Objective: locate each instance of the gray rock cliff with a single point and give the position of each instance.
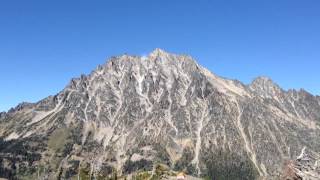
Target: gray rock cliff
(133, 113)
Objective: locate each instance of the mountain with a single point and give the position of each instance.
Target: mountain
(138, 117)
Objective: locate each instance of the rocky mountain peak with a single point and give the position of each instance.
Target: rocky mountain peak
(2, 114)
(134, 114)
(265, 87)
(20, 106)
(264, 81)
(163, 57)
(158, 52)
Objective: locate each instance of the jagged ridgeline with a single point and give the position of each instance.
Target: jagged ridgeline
(152, 117)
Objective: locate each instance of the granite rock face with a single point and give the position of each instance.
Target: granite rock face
(305, 166)
(134, 112)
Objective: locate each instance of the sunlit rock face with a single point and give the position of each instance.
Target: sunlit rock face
(134, 113)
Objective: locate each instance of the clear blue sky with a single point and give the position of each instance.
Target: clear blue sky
(43, 44)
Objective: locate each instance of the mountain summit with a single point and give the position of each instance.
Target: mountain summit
(135, 115)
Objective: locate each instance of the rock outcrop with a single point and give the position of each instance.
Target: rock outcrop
(134, 113)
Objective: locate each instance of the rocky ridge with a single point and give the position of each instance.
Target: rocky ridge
(135, 113)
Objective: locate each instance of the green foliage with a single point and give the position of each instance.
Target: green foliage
(183, 164)
(84, 174)
(225, 165)
(58, 139)
(73, 169)
(142, 176)
(20, 156)
(161, 172)
(142, 164)
(162, 155)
